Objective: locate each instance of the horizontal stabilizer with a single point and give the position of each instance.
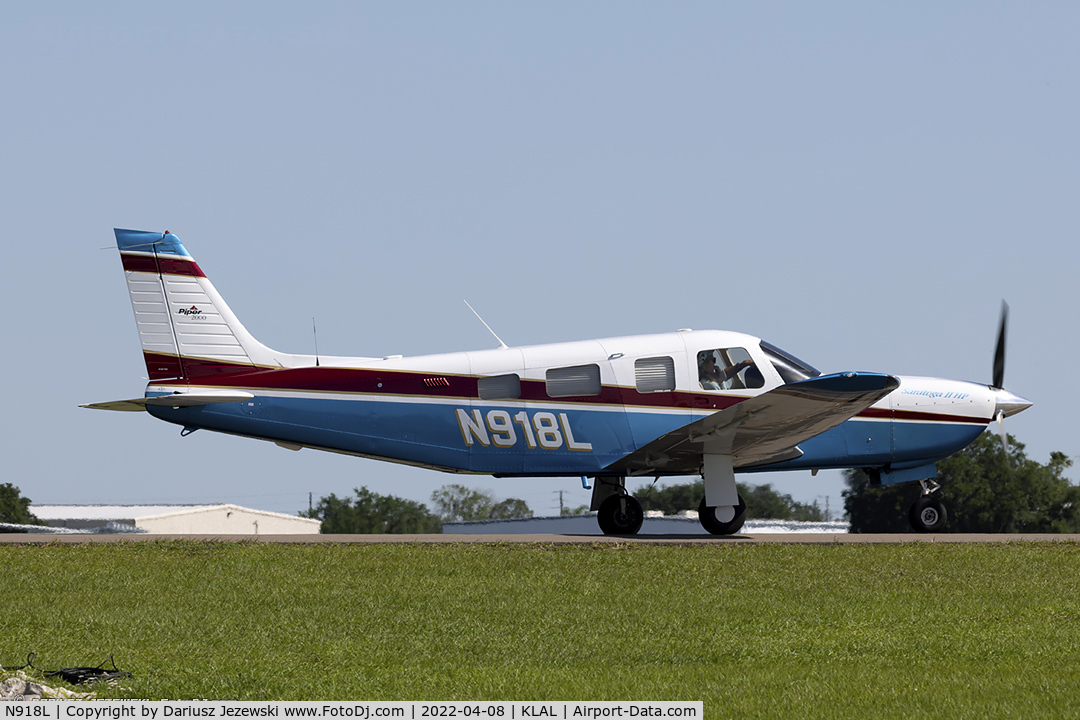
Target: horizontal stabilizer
(133, 405)
(192, 399)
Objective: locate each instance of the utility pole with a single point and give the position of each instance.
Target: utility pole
(828, 513)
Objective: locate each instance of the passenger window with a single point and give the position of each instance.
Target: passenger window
(728, 369)
(499, 387)
(573, 381)
(654, 374)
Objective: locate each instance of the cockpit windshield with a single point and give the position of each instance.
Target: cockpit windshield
(791, 368)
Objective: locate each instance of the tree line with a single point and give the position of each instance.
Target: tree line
(368, 512)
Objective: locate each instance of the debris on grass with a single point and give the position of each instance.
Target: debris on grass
(17, 685)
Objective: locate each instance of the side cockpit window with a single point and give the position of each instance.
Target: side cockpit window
(728, 369)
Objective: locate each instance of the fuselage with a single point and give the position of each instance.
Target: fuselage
(566, 409)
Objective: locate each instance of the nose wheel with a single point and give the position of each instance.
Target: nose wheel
(928, 513)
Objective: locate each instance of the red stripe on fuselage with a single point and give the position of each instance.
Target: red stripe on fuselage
(368, 381)
(411, 384)
(161, 264)
(168, 367)
(935, 417)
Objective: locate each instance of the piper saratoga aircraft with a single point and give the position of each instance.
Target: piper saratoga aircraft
(709, 403)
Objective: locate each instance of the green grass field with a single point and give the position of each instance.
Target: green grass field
(817, 631)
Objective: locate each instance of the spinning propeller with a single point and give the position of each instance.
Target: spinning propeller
(999, 353)
(1007, 403)
(999, 373)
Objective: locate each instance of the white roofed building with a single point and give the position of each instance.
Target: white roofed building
(175, 519)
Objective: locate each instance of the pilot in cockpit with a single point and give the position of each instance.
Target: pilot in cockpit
(711, 376)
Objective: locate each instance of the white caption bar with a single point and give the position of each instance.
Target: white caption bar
(171, 710)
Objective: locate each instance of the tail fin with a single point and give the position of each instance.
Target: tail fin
(186, 329)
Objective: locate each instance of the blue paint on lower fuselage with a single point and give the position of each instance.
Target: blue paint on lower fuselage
(867, 443)
(431, 434)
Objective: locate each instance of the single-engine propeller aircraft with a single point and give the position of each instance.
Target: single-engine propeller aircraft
(708, 403)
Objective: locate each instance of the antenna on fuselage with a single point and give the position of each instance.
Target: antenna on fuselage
(315, 335)
(502, 345)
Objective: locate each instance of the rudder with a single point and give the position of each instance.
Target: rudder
(185, 328)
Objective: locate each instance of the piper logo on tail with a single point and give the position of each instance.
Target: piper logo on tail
(193, 313)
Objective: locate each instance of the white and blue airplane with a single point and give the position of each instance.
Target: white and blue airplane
(708, 403)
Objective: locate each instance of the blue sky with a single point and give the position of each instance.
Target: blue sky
(861, 184)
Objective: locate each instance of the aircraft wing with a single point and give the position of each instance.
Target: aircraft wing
(188, 399)
(763, 429)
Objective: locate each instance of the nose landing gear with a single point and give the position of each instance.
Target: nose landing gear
(928, 513)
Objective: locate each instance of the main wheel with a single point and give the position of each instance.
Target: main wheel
(716, 526)
(620, 515)
(928, 514)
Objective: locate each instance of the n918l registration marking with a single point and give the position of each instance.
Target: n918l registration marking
(543, 430)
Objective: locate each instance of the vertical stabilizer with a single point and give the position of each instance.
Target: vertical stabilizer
(186, 329)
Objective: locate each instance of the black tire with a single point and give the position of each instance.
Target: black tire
(928, 515)
(620, 515)
(707, 518)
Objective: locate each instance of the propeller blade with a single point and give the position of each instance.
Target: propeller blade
(999, 352)
(1001, 431)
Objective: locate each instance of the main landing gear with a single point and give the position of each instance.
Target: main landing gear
(619, 513)
(722, 520)
(928, 514)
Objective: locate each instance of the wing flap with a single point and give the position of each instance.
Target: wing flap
(762, 429)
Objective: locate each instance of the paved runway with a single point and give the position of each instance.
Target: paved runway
(759, 539)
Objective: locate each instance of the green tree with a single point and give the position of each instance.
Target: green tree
(983, 489)
(880, 508)
(457, 503)
(14, 508)
(672, 499)
(509, 509)
(372, 513)
(762, 502)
